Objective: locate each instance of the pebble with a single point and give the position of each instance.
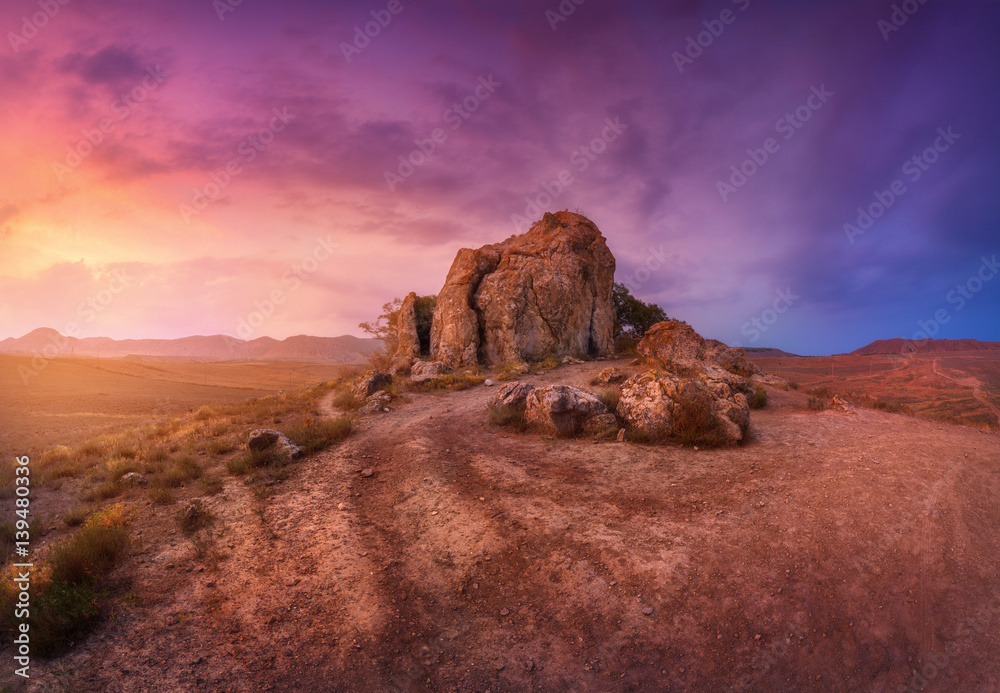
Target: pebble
(368, 472)
(648, 610)
(504, 612)
(341, 506)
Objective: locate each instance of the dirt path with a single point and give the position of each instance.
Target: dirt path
(834, 552)
(970, 382)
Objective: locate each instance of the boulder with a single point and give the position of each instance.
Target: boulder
(561, 409)
(408, 339)
(709, 408)
(134, 479)
(775, 380)
(603, 425)
(676, 346)
(843, 405)
(265, 438)
(544, 293)
(647, 403)
(370, 382)
(422, 371)
(609, 376)
(511, 395)
(377, 403)
(732, 359)
(672, 342)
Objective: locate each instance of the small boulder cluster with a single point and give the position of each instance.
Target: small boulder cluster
(560, 410)
(262, 439)
(369, 388)
(692, 390)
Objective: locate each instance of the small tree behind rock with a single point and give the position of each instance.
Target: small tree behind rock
(632, 316)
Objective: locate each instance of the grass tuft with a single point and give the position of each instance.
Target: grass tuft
(758, 400)
(315, 435)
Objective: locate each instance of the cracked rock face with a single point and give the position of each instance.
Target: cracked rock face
(544, 293)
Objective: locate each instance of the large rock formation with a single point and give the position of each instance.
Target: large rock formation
(408, 344)
(696, 391)
(544, 293)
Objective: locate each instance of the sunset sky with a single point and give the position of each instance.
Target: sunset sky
(240, 150)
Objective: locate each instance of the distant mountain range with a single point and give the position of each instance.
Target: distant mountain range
(765, 352)
(900, 346)
(49, 343)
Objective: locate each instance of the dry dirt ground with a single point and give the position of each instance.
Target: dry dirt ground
(834, 552)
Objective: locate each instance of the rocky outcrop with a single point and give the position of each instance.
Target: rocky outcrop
(370, 382)
(609, 376)
(544, 293)
(676, 346)
(696, 391)
(703, 409)
(511, 395)
(422, 371)
(408, 339)
(377, 403)
(265, 438)
(561, 409)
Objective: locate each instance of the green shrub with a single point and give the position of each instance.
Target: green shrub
(610, 396)
(695, 422)
(161, 496)
(893, 407)
(255, 459)
(451, 381)
(816, 404)
(69, 601)
(204, 414)
(221, 446)
(210, 485)
(758, 400)
(346, 401)
(511, 371)
(77, 515)
(507, 416)
(315, 435)
(101, 492)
